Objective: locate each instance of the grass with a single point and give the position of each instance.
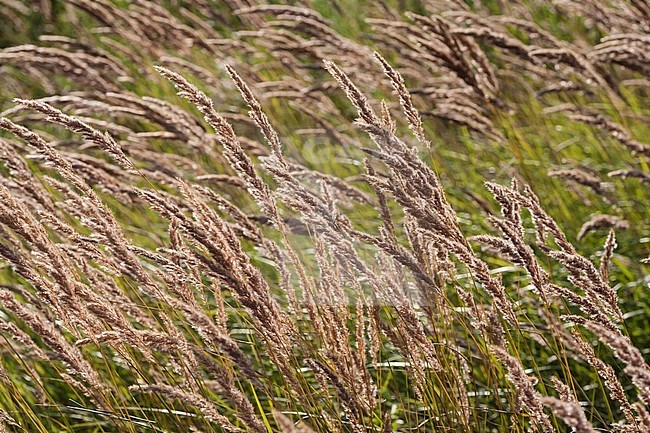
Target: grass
(177, 315)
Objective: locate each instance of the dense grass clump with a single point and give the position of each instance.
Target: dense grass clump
(329, 216)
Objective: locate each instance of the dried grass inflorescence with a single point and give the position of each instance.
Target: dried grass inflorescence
(179, 264)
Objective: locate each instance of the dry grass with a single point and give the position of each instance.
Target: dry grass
(172, 264)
